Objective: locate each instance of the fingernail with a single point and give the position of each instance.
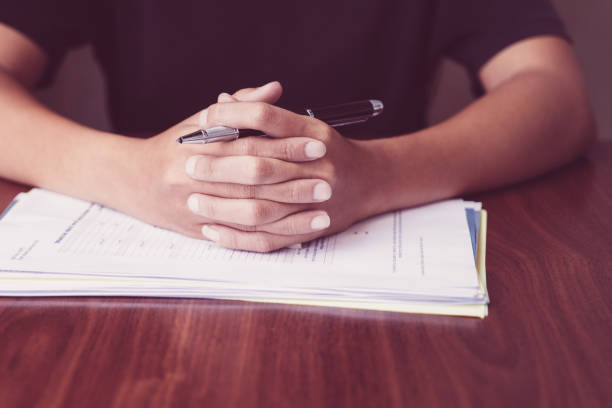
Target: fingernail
(322, 192)
(210, 233)
(320, 222)
(193, 204)
(190, 165)
(202, 120)
(315, 150)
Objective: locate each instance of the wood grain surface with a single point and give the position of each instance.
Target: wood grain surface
(546, 343)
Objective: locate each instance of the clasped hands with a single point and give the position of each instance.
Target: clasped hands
(255, 193)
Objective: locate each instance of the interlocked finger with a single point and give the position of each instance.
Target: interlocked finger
(270, 119)
(242, 169)
(291, 192)
(240, 211)
(304, 222)
(295, 149)
(251, 241)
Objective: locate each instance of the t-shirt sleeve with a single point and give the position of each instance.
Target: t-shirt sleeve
(471, 32)
(55, 25)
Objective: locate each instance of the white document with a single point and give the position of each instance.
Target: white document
(421, 254)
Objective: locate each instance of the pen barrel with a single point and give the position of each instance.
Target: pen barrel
(344, 114)
(211, 135)
(336, 116)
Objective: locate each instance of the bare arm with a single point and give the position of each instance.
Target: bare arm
(534, 117)
(42, 148)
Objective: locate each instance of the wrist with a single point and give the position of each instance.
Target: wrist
(371, 174)
(116, 163)
(408, 170)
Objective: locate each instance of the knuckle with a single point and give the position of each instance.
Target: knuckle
(250, 191)
(249, 147)
(193, 230)
(205, 168)
(287, 150)
(262, 244)
(230, 240)
(260, 171)
(295, 193)
(242, 227)
(306, 127)
(244, 191)
(207, 208)
(168, 179)
(255, 213)
(315, 129)
(325, 131)
(261, 114)
(329, 172)
(292, 227)
(213, 113)
(248, 228)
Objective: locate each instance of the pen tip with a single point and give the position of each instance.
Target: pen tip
(180, 140)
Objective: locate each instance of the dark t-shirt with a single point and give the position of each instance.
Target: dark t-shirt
(165, 60)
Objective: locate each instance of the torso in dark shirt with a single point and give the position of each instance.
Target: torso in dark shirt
(165, 60)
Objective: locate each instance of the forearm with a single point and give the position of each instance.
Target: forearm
(41, 148)
(530, 124)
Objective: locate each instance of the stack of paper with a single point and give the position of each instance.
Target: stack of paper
(423, 260)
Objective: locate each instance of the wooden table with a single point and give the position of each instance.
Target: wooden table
(547, 341)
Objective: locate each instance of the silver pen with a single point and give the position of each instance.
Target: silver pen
(335, 116)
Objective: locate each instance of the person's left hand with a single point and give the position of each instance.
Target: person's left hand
(348, 167)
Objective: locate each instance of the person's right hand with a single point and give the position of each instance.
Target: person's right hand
(159, 186)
